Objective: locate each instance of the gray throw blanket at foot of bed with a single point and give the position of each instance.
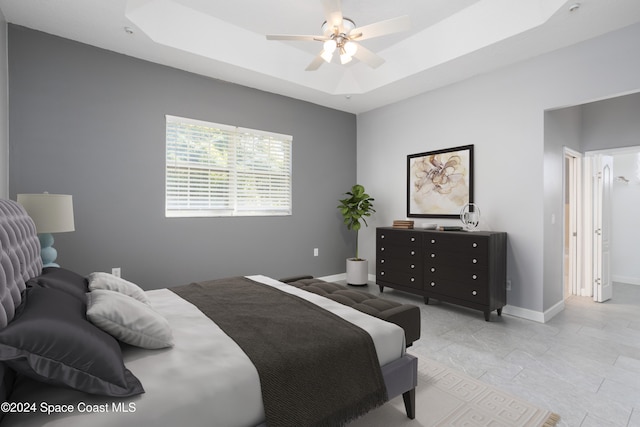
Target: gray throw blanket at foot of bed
(315, 368)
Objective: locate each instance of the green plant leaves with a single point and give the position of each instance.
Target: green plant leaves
(355, 208)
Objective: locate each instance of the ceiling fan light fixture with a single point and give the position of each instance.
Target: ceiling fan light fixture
(350, 48)
(330, 45)
(341, 35)
(345, 58)
(326, 55)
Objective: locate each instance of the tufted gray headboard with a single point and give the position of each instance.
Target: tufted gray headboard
(19, 256)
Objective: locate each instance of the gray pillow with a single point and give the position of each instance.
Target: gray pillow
(50, 340)
(63, 280)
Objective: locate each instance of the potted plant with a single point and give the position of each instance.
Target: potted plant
(354, 209)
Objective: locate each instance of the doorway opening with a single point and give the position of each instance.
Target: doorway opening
(613, 197)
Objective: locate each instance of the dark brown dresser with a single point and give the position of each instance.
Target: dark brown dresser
(464, 268)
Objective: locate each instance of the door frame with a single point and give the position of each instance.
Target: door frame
(573, 230)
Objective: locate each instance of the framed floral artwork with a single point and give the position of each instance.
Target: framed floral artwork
(439, 183)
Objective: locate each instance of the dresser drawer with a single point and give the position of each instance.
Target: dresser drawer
(395, 238)
(403, 278)
(475, 292)
(392, 251)
(407, 264)
(457, 242)
(461, 259)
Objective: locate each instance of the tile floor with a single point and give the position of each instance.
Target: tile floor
(584, 364)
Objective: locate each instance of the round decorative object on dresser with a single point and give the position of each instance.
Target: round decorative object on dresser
(470, 216)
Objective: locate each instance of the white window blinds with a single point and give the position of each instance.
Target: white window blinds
(220, 170)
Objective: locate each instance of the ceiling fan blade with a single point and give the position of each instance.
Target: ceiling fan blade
(365, 55)
(333, 14)
(382, 28)
(316, 63)
(296, 37)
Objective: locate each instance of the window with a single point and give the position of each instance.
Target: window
(221, 170)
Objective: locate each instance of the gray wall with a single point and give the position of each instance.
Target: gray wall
(90, 123)
(625, 202)
(562, 128)
(612, 123)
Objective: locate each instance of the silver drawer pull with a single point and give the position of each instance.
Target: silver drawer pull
(413, 252)
(475, 245)
(474, 293)
(474, 277)
(433, 283)
(413, 279)
(413, 239)
(413, 266)
(475, 261)
(433, 240)
(433, 255)
(381, 261)
(382, 236)
(433, 269)
(381, 249)
(382, 273)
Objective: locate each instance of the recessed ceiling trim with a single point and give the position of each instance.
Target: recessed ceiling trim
(484, 23)
(409, 69)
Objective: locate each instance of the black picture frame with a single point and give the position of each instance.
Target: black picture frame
(440, 182)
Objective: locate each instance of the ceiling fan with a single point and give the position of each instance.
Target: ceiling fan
(341, 35)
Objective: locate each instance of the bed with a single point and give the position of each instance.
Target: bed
(194, 371)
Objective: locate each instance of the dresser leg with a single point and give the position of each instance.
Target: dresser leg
(487, 314)
(500, 311)
(381, 288)
(426, 300)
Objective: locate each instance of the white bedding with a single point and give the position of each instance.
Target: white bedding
(204, 380)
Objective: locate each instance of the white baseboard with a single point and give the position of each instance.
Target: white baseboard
(626, 279)
(551, 313)
(536, 316)
(524, 313)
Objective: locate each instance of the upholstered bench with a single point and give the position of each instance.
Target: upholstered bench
(406, 316)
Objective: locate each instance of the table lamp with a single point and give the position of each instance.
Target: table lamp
(52, 213)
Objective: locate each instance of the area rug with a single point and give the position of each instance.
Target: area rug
(446, 397)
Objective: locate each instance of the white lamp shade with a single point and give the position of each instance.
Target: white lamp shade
(350, 48)
(329, 46)
(345, 58)
(52, 213)
(326, 55)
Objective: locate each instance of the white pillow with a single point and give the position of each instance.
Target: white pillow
(112, 283)
(128, 319)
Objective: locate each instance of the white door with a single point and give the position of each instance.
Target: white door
(602, 186)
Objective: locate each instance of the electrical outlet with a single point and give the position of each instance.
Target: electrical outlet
(315, 251)
(508, 284)
(116, 271)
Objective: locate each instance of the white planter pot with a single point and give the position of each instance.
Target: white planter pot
(357, 271)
